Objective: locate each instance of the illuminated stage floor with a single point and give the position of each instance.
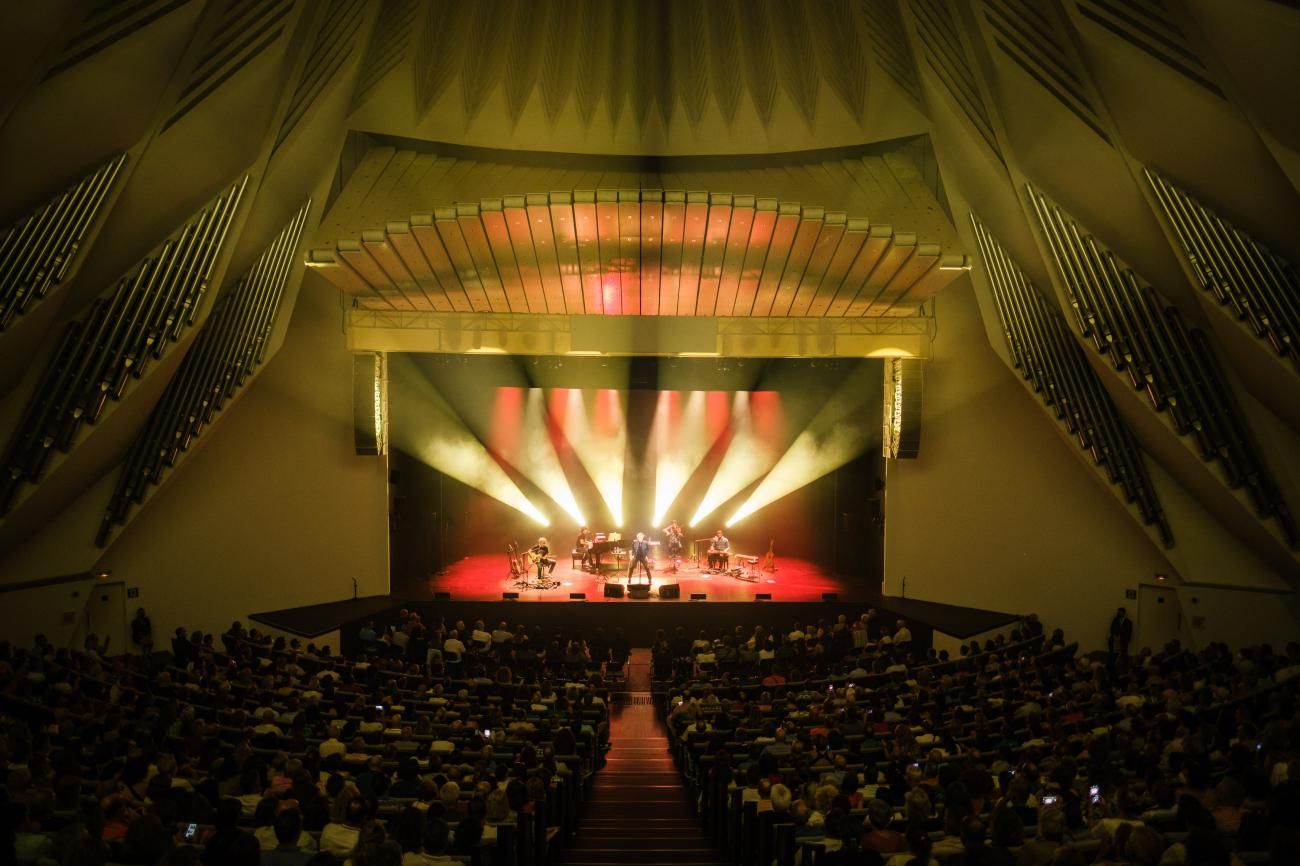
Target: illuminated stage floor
(486, 577)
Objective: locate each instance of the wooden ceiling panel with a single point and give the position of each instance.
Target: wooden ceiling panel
(626, 251)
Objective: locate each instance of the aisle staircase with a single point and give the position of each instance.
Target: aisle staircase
(640, 811)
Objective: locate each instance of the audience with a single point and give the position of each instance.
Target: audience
(252, 750)
(1017, 751)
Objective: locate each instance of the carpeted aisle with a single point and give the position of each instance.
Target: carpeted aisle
(640, 811)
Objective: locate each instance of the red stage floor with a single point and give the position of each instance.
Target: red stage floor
(486, 577)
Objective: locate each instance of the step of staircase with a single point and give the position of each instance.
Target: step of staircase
(640, 811)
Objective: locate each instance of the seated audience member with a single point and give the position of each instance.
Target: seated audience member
(341, 835)
(877, 835)
(228, 845)
(289, 849)
(434, 844)
(1051, 835)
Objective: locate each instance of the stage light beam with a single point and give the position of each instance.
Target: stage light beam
(681, 439)
(748, 456)
(436, 435)
(838, 433)
(538, 461)
(595, 425)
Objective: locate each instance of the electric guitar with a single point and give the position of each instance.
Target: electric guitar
(769, 561)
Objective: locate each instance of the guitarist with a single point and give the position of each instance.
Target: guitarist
(586, 538)
(540, 555)
(675, 537)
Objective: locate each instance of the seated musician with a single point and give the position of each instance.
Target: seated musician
(541, 554)
(586, 538)
(675, 536)
(718, 551)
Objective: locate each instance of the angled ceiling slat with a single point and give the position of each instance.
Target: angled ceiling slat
(694, 229)
(611, 283)
(521, 240)
(715, 249)
(426, 235)
(742, 221)
(946, 269)
(453, 240)
(469, 216)
(672, 250)
(899, 250)
(652, 226)
(828, 241)
(537, 219)
(760, 236)
(868, 257)
(920, 260)
(810, 228)
(559, 211)
(492, 215)
(787, 224)
(855, 235)
(376, 244)
(629, 245)
(408, 250)
(586, 229)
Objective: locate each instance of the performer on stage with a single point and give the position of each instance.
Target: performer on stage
(586, 538)
(541, 554)
(675, 536)
(640, 554)
(719, 551)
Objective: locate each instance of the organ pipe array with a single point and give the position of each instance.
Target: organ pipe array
(37, 252)
(1050, 359)
(1149, 342)
(99, 353)
(227, 350)
(1260, 288)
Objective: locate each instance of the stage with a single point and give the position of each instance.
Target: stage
(487, 578)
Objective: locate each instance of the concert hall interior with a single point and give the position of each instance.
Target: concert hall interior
(984, 303)
(649, 432)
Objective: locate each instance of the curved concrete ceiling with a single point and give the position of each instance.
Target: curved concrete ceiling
(665, 77)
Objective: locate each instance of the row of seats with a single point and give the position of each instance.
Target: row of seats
(122, 755)
(1020, 753)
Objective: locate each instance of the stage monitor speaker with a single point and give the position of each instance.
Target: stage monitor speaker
(577, 596)
(638, 590)
(762, 596)
(442, 596)
(613, 590)
(510, 596)
(670, 590)
(830, 596)
(370, 403)
(699, 596)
